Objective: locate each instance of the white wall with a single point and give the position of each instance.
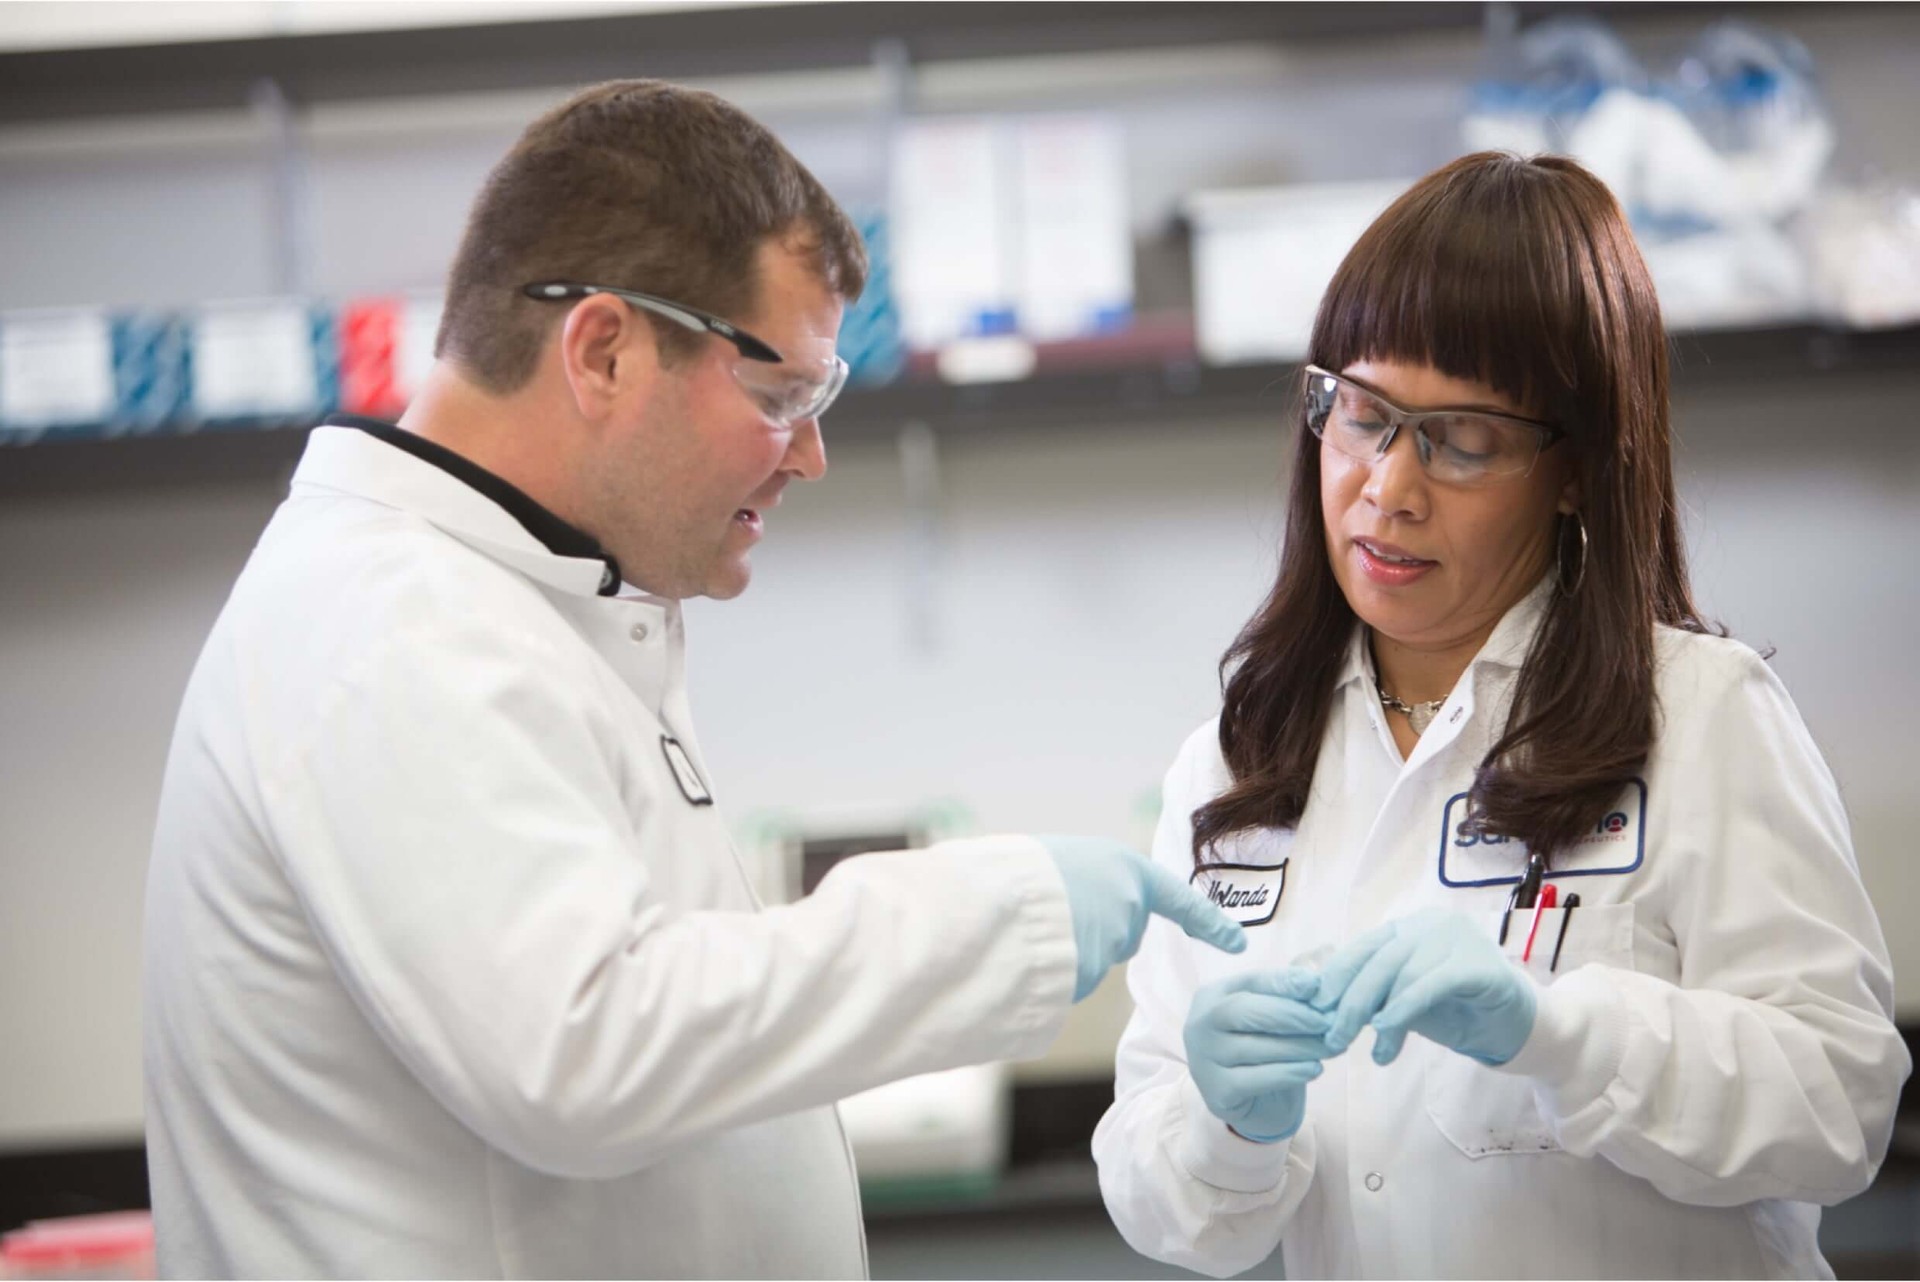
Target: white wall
(106, 601)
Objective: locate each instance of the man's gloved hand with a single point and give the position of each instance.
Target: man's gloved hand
(1113, 890)
(1253, 1044)
(1435, 973)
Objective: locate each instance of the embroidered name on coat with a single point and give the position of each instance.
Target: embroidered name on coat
(1248, 893)
(692, 786)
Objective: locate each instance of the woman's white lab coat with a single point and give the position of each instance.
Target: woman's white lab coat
(1713, 1060)
(451, 967)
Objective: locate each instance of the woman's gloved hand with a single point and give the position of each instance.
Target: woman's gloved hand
(1113, 890)
(1437, 974)
(1253, 1044)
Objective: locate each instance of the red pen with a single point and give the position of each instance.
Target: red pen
(1549, 898)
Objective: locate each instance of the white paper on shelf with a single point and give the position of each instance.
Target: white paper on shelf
(413, 357)
(951, 210)
(254, 359)
(1263, 257)
(1075, 240)
(56, 367)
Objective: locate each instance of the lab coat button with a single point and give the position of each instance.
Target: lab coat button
(638, 632)
(1374, 1181)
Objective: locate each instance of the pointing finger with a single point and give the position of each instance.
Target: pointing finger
(1190, 910)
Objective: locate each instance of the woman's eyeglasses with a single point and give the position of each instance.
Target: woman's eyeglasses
(1455, 447)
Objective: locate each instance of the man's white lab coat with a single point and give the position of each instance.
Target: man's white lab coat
(451, 967)
(1713, 1059)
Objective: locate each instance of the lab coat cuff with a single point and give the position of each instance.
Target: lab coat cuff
(1035, 886)
(1578, 1041)
(1214, 1155)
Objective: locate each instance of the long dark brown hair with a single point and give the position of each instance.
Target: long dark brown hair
(1520, 275)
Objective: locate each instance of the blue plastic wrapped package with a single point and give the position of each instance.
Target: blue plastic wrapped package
(1544, 84)
(1752, 95)
(152, 373)
(870, 339)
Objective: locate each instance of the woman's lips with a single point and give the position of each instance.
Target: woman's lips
(1389, 565)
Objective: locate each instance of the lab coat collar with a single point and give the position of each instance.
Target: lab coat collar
(1506, 647)
(370, 459)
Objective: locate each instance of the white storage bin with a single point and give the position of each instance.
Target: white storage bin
(1262, 258)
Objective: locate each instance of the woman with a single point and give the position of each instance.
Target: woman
(1481, 684)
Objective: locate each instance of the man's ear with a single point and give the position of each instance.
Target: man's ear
(608, 353)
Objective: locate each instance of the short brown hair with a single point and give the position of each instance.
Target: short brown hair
(642, 185)
(1520, 274)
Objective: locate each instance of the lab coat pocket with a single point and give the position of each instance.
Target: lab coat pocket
(1485, 1113)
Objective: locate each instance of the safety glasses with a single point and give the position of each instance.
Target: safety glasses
(783, 391)
(1455, 447)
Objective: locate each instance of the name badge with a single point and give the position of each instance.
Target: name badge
(692, 787)
(1248, 893)
(1617, 845)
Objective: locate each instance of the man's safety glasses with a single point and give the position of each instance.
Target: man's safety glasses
(786, 396)
(1455, 447)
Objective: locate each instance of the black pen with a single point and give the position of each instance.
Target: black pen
(1573, 902)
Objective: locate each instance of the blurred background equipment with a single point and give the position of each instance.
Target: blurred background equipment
(1712, 159)
(937, 1139)
(116, 1244)
(1099, 236)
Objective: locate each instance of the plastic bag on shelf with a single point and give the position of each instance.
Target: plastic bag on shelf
(1549, 83)
(870, 339)
(1710, 163)
(1863, 250)
(1751, 94)
(1725, 277)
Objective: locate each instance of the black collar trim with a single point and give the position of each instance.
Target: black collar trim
(555, 535)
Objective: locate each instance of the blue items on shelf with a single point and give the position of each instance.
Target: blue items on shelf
(870, 340)
(152, 373)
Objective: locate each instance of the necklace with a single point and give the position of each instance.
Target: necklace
(1419, 715)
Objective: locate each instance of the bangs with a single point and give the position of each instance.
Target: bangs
(1469, 272)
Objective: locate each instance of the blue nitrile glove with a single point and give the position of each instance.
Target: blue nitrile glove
(1437, 974)
(1113, 889)
(1253, 1044)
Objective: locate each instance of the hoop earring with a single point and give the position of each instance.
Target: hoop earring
(1560, 559)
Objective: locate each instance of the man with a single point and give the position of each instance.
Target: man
(451, 969)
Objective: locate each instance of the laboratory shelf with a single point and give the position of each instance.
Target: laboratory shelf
(1136, 381)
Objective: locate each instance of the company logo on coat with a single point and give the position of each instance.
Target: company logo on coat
(1617, 844)
(1248, 893)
